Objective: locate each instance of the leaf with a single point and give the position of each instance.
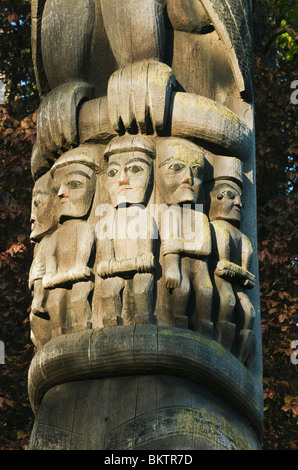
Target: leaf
(9, 402)
(21, 435)
(12, 17)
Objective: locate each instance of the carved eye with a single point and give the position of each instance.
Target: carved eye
(176, 167)
(219, 196)
(74, 184)
(197, 170)
(135, 169)
(230, 195)
(112, 172)
(36, 203)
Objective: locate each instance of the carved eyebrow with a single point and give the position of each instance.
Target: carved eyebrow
(180, 160)
(138, 159)
(114, 163)
(78, 172)
(224, 186)
(166, 161)
(39, 191)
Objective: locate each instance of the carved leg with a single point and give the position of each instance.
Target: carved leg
(57, 306)
(39, 300)
(41, 330)
(204, 297)
(145, 40)
(247, 338)
(225, 327)
(139, 92)
(179, 300)
(111, 300)
(80, 304)
(143, 296)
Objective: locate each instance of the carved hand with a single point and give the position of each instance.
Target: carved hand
(139, 90)
(172, 276)
(104, 269)
(234, 273)
(145, 263)
(57, 129)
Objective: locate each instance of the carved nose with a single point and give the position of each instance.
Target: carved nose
(123, 181)
(62, 192)
(238, 204)
(187, 179)
(32, 218)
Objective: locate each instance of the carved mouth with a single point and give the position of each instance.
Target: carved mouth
(187, 187)
(123, 189)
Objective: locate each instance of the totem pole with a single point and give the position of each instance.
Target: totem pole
(145, 314)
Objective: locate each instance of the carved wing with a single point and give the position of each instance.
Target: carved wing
(231, 21)
(37, 7)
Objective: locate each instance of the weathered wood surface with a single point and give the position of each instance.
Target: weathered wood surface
(138, 413)
(146, 119)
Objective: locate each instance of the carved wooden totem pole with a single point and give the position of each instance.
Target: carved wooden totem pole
(145, 313)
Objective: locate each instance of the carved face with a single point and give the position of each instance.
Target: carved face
(74, 184)
(226, 202)
(180, 168)
(44, 216)
(129, 177)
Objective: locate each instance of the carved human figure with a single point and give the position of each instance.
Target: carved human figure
(187, 243)
(68, 258)
(232, 253)
(44, 221)
(127, 252)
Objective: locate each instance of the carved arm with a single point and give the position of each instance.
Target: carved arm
(74, 274)
(234, 273)
(141, 264)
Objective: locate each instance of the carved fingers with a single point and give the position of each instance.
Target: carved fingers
(145, 263)
(139, 96)
(57, 123)
(172, 276)
(234, 273)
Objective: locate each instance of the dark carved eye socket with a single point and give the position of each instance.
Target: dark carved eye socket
(176, 167)
(197, 170)
(135, 168)
(112, 172)
(73, 184)
(36, 203)
(219, 196)
(230, 195)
